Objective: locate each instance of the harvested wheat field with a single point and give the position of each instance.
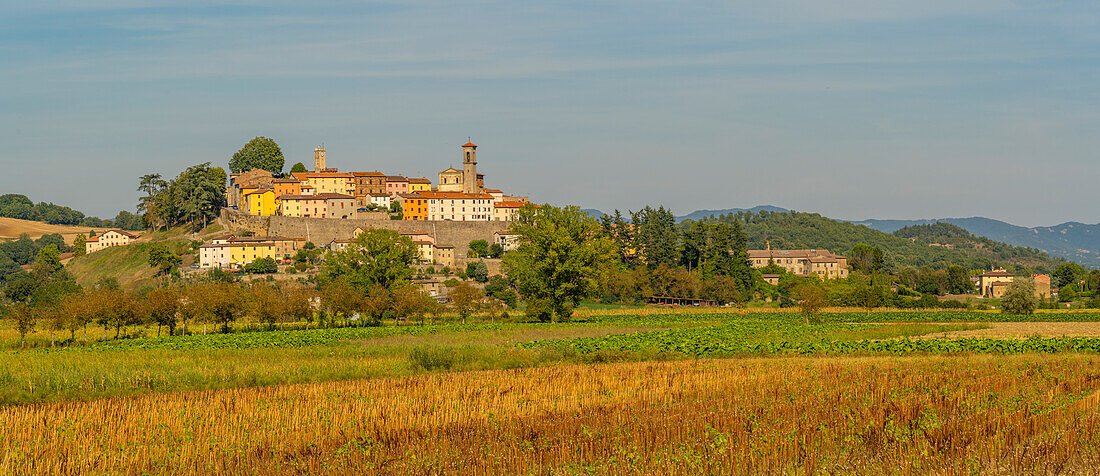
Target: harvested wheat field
(911, 415)
(1023, 330)
(14, 227)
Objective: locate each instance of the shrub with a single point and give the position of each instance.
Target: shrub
(432, 358)
(1020, 297)
(262, 266)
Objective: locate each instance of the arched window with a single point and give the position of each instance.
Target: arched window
(467, 155)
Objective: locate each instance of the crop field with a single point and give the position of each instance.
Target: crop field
(650, 391)
(825, 415)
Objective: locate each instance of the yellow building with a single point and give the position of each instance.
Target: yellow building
(450, 180)
(328, 182)
(994, 283)
(241, 254)
(420, 185)
(260, 202)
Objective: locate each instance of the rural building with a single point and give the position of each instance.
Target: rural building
(507, 241)
(821, 263)
(255, 178)
(1042, 285)
(994, 283)
(108, 239)
(444, 255)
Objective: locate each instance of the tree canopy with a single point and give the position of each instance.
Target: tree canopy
(258, 153)
(374, 258)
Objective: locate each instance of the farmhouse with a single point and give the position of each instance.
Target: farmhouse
(108, 239)
(802, 262)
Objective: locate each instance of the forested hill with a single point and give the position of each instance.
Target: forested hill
(797, 230)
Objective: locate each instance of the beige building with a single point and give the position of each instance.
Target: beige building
(108, 239)
(319, 159)
(254, 179)
(506, 211)
(324, 205)
(454, 206)
(821, 263)
(444, 255)
(507, 241)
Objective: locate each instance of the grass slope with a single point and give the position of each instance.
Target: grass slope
(14, 227)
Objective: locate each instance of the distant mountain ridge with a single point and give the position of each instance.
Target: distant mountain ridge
(1074, 241)
(698, 214)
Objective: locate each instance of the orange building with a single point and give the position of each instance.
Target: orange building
(413, 206)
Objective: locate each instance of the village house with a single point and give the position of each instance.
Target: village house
(414, 206)
(260, 202)
(380, 199)
(821, 263)
(287, 186)
(507, 241)
(228, 251)
(506, 211)
(323, 205)
(108, 239)
(396, 185)
(420, 185)
(255, 178)
(367, 184)
(455, 206)
(444, 255)
(328, 182)
(994, 283)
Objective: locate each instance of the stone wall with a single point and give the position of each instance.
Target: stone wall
(323, 230)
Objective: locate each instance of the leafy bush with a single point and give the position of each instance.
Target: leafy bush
(262, 266)
(432, 358)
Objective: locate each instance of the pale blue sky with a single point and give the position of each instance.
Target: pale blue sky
(855, 109)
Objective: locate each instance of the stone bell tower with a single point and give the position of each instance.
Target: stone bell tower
(469, 168)
(319, 159)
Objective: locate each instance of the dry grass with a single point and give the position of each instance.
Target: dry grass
(13, 227)
(942, 415)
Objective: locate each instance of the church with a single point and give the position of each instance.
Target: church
(466, 180)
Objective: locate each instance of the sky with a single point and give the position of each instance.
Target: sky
(852, 109)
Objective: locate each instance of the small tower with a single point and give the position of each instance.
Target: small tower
(469, 168)
(319, 159)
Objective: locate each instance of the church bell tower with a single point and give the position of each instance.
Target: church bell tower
(469, 168)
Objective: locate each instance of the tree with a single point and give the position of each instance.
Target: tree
(495, 250)
(1068, 293)
(162, 259)
(162, 305)
(265, 265)
(298, 304)
(811, 298)
(219, 302)
(268, 304)
(477, 271)
(80, 245)
(559, 258)
(152, 185)
(958, 280)
(466, 299)
(340, 298)
(25, 318)
(479, 248)
(374, 258)
(78, 307)
(1068, 273)
(258, 153)
(410, 302)
(298, 168)
(1020, 297)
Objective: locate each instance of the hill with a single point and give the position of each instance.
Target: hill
(1078, 242)
(129, 264)
(705, 214)
(14, 227)
(797, 230)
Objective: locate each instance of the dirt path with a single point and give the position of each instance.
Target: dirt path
(1021, 330)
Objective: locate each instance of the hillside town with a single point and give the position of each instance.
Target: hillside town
(326, 192)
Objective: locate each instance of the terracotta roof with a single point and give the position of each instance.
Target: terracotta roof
(125, 233)
(491, 190)
(309, 175)
(455, 195)
(444, 246)
(330, 196)
(800, 254)
(469, 144)
(420, 180)
(509, 204)
(411, 195)
(1000, 273)
(368, 174)
(286, 180)
(396, 178)
(379, 194)
(822, 259)
(93, 239)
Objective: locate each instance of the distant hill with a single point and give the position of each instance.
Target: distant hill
(13, 227)
(594, 213)
(1073, 241)
(796, 230)
(704, 214)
